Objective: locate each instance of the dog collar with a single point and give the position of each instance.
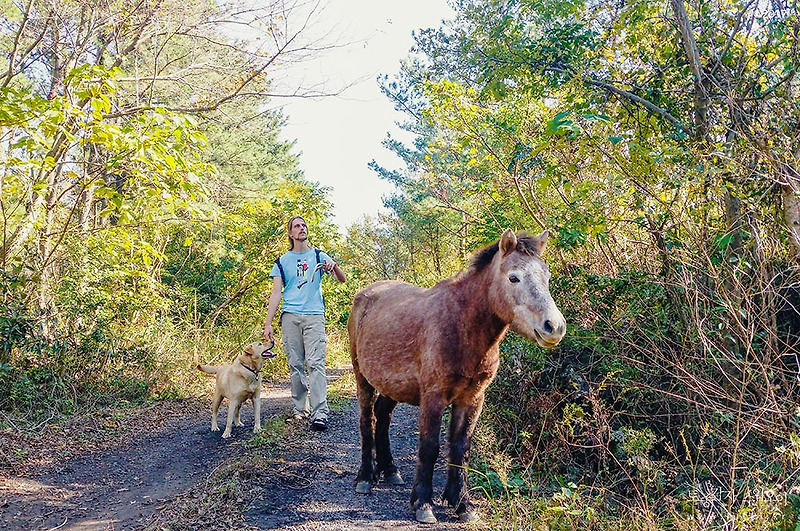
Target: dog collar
(248, 368)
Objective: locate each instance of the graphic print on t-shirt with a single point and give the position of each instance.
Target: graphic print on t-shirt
(302, 273)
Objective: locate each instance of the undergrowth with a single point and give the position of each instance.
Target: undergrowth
(642, 419)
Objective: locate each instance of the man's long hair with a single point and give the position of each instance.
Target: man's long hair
(289, 229)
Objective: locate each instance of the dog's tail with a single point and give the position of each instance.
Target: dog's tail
(208, 369)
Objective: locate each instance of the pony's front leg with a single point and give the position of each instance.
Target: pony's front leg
(430, 423)
(456, 490)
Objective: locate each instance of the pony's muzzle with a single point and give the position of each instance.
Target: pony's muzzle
(557, 329)
(551, 333)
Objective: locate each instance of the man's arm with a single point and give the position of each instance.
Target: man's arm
(333, 268)
(272, 307)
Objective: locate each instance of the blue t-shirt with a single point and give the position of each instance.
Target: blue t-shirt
(302, 292)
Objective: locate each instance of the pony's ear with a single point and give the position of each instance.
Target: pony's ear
(540, 242)
(508, 242)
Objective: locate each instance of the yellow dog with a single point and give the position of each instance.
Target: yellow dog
(238, 382)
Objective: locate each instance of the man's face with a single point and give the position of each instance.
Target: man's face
(299, 230)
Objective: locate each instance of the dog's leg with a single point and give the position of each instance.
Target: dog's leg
(238, 418)
(233, 407)
(214, 409)
(257, 412)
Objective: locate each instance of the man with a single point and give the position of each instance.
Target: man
(297, 279)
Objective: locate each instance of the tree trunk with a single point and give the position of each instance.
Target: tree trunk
(87, 207)
(87, 203)
(13, 243)
(701, 97)
(4, 146)
(733, 217)
(790, 191)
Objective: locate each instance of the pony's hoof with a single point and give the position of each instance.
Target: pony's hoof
(425, 515)
(394, 479)
(469, 516)
(363, 487)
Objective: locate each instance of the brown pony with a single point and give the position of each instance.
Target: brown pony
(440, 346)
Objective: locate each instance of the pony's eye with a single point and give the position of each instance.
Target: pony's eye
(514, 279)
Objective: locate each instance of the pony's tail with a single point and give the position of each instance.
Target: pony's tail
(354, 322)
(208, 369)
(351, 332)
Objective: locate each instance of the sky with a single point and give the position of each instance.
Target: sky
(337, 136)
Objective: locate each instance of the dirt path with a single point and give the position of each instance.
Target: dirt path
(182, 476)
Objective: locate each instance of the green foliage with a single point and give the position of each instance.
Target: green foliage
(140, 216)
(492, 485)
(272, 437)
(137, 239)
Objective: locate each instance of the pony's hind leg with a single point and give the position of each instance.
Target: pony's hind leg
(366, 400)
(456, 491)
(383, 451)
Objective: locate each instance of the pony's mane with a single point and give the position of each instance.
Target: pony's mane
(484, 257)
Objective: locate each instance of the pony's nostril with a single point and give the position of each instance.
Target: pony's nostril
(548, 327)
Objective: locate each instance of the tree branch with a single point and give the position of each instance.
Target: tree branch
(701, 97)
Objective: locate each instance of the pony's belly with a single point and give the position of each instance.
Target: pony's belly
(400, 386)
(407, 398)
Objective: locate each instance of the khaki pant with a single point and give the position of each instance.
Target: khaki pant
(304, 343)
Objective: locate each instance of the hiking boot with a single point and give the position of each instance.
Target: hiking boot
(319, 425)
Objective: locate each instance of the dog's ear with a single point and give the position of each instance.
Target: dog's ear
(249, 350)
